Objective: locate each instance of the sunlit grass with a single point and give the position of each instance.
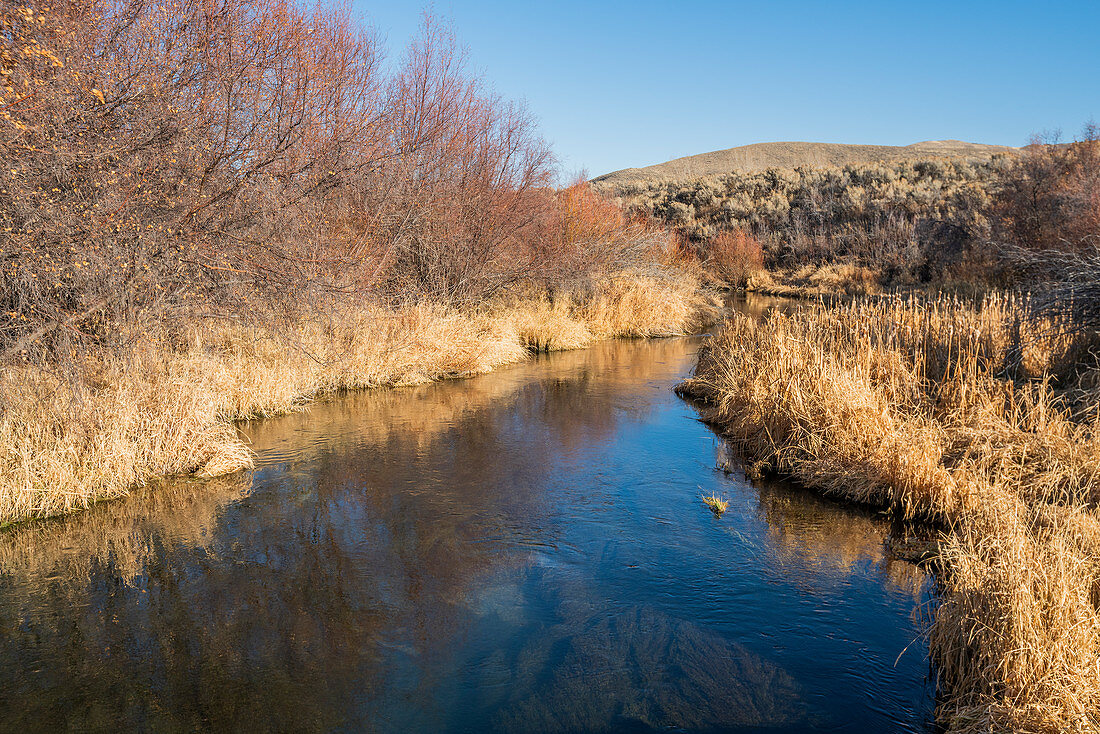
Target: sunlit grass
(167, 407)
(716, 504)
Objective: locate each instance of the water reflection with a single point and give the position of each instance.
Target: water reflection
(520, 551)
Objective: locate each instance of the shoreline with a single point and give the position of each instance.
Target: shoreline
(169, 412)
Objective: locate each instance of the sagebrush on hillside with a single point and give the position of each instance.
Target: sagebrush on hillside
(905, 215)
(910, 222)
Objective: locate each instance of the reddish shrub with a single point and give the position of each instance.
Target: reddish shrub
(734, 256)
(1050, 199)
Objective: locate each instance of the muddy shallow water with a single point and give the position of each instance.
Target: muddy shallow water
(521, 551)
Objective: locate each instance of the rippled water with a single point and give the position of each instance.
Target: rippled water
(521, 551)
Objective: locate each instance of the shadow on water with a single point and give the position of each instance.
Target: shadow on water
(522, 551)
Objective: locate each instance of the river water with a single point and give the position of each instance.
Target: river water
(521, 551)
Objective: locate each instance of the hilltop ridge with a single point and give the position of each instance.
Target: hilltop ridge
(759, 156)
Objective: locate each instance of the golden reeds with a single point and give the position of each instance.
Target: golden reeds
(167, 407)
(945, 411)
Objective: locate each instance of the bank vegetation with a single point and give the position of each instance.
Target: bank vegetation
(220, 210)
(923, 223)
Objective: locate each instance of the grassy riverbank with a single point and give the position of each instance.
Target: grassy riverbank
(170, 264)
(166, 405)
(968, 416)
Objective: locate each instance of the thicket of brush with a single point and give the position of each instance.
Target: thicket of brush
(212, 210)
(906, 217)
(968, 415)
(903, 223)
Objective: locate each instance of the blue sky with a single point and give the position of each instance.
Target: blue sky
(618, 84)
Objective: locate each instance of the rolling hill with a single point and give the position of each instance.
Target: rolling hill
(760, 156)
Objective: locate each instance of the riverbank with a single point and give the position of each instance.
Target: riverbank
(967, 416)
(166, 405)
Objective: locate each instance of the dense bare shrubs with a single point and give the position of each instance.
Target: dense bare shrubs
(734, 256)
(910, 220)
(460, 211)
(1047, 225)
(597, 236)
(167, 157)
(180, 159)
(1050, 200)
(948, 412)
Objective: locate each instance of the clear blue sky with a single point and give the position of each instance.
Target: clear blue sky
(618, 84)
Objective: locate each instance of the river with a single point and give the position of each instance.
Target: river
(522, 551)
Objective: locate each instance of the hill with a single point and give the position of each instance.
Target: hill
(760, 156)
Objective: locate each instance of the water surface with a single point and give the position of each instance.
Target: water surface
(521, 551)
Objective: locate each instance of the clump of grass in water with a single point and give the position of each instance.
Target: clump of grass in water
(716, 504)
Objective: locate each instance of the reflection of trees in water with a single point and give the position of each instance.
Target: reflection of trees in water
(340, 582)
(822, 538)
(215, 632)
(575, 395)
(281, 602)
(119, 532)
(757, 305)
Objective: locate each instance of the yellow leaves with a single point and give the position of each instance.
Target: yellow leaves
(98, 95)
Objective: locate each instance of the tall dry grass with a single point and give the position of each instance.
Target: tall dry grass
(646, 303)
(166, 406)
(949, 412)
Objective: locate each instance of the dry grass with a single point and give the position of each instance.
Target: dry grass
(910, 405)
(167, 406)
(808, 281)
(716, 504)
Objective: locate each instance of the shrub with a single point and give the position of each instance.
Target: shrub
(734, 256)
(1050, 199)
(888, 215)
(165, 156)
(168, 160)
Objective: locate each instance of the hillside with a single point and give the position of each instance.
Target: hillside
(760, 156)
